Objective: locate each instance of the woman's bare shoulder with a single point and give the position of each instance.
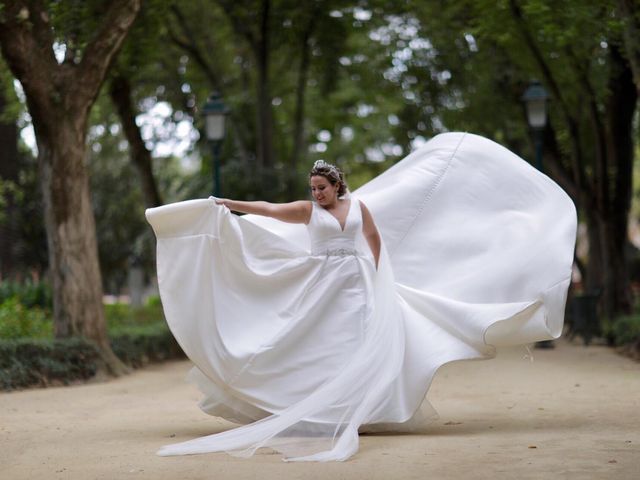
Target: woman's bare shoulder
(306, 204)
(307, 207)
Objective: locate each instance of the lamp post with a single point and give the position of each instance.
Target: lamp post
(535, 99)
(215, 113)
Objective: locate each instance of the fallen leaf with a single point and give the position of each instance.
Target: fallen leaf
(453, 423)
(533, 446)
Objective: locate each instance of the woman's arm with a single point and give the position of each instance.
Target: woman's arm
(293, 212)
(370, 232)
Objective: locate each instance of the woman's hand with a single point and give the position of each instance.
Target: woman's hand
(223, 201)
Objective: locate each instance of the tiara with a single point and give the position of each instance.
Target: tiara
(323, 164)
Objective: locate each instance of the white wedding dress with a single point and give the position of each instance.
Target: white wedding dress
(296, 335)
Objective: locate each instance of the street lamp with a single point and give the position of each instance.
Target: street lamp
(215, 113)
(535, 99)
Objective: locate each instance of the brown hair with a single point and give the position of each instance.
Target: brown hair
(332, 173)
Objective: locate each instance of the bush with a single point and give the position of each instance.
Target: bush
(153, 301)
(17, 321)
(624, 329)
(138, 345)
(28, 362)
(120, 315)
(30, 294)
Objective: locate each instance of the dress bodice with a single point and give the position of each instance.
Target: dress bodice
(326, 233)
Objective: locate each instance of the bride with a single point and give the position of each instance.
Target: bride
(309, 322)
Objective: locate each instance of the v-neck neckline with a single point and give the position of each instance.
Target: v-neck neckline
(346, 218)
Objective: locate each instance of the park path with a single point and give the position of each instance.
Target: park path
(574, 412)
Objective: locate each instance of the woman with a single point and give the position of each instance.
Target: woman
(308, 334)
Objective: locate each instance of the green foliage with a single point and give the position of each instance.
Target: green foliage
(17, 321)
(121, 316)
(22, 314)
(75, 23)
(138, 345)
(7, 189)
(153, 301)
(29, 293)
(624, 329)
(12, 108)
(21, 208)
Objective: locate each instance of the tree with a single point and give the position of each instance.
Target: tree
(59, 97)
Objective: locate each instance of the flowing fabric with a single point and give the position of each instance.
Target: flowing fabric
(295, 334)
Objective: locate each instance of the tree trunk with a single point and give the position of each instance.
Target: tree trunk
(620, 110)
(120, 92)
(71, 237)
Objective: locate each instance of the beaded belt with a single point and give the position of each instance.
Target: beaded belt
(340, 252)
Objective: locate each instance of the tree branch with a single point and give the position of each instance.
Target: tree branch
(552, 156)
(100, 52)
(120, 92)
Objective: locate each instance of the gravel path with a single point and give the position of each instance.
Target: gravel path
(574, 412)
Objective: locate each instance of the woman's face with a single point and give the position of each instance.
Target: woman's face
(323, 192)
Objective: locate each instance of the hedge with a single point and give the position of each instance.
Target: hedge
(624, 333)
(28, 362)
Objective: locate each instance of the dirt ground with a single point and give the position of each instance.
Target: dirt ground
(574, 412)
